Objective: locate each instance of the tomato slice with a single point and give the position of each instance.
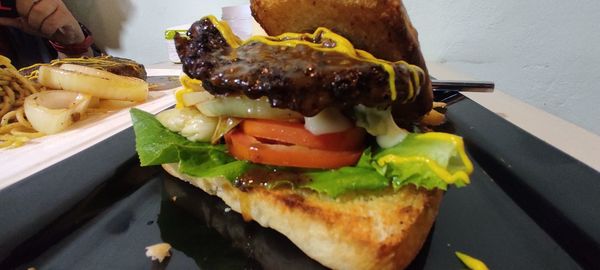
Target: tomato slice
(295, 133)
(246, 147)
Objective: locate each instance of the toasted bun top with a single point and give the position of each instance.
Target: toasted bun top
(382, 28)
(379, 27)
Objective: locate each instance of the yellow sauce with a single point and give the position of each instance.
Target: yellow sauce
(226, 32)
(179, 96)
(470, 262)
(189, 85)
(440, 171)
(342, 45)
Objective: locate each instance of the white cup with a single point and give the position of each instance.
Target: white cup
(241, 21)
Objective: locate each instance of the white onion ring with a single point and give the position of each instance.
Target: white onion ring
(93, 82)
(53, 111)
(112, 104)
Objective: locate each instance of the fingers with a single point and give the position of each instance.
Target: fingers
(12, 22)
(24, 6)
(53, 23)
(48, 18)
(40, 12)
(62, 27)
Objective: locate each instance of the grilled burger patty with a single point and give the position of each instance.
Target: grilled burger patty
(299, 77)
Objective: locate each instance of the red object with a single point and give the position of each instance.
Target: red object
(246, 147)
(74, 49)
(295, 133)
(8, 8)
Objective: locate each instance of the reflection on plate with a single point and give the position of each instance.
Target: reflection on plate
(234, 243)
(160, 83)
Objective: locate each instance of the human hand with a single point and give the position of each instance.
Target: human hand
(50, 19)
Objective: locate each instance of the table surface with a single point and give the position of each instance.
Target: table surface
(566, 136)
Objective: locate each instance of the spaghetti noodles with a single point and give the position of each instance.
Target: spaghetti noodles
(15, 130)
(17, 85)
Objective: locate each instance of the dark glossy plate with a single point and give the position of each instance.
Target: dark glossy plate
(529, 206)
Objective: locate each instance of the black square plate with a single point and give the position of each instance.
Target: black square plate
(529, 206)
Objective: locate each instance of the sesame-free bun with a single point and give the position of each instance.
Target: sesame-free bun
(378, 231)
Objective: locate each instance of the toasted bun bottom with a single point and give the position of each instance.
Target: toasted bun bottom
(365, 232)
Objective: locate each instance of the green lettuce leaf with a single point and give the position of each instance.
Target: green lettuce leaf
(362, 177)
(425, 160)
(157, 145)
(154, 143)
(337, 182)
(210, 163)
(431, 160)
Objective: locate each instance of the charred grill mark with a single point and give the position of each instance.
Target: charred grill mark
(297, 202)
(293, 200)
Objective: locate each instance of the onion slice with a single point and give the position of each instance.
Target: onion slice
(193, 98)
(329, 120)
(53, 111)
(189, 122)
(89, 71)
(112, 104)
(224, 125)
(244, 107)
(93, 82)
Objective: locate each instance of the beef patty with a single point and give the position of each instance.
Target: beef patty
(301, 77)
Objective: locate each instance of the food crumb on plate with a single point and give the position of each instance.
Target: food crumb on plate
(158, 252)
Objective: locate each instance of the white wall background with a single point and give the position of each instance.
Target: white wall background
(546, 53)
(135, 28)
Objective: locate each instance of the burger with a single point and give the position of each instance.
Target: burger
(306, 134)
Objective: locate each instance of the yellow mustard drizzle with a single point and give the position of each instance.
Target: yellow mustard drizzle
(470, 262)
(188, 82)
(179, 96)
(342, 45)
(225, 31)
(440, 171)
(417, 80)
(188, 85)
